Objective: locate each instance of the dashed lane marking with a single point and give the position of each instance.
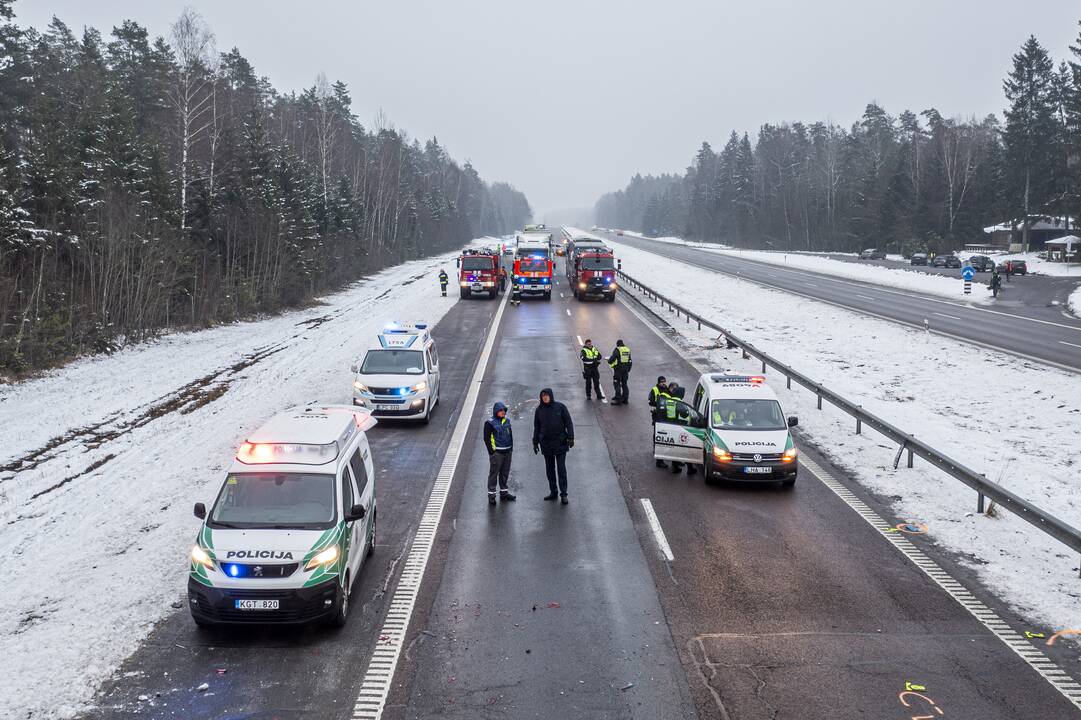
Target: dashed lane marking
(568, 312)
(1014, 640)
(579, 338)
(865, 297)
(380, 673)
(658, 531)
(951, 317)
(1063, 342)
(1028, 652)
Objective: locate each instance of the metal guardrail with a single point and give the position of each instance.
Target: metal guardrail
(985, 488)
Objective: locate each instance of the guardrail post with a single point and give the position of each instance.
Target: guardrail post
(788, 378)
(910, 457)
(859, 426)
(979, 502)
(763, 367)
(699, 323)
(745, 355)
(819, 399)
(688, 319)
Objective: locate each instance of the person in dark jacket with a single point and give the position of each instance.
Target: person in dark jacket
(620, 362)
(656, 391)
(443, 280)
(499, 442)
(553, 436)
(677, 413)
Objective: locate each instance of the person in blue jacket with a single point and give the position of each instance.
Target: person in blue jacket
(499, 442)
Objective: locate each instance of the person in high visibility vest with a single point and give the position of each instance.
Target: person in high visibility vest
(499, 442)
(656, 390)
(620, 362)
(591, 369)
(677, 412)
(443, 280)
(659, 402)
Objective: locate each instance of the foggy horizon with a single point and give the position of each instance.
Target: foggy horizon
(573, 101)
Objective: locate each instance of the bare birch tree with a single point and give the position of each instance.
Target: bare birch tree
(193, 44)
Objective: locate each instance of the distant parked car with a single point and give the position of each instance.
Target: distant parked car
(873, 254)
(619, 232)
(918, 259)
(1041, 255)
(982, 263)
(1015, 267)
(946, 261)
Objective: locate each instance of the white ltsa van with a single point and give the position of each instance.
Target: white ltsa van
(734, 427)
(399, 375)
(295, 518)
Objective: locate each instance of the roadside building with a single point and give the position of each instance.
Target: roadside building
(1008, 236)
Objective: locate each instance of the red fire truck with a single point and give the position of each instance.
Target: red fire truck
(478, 274)
(592, 273)
(532, 270)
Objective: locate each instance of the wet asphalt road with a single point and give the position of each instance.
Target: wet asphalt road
(1035, 331)
(778, 604)
(311, 672)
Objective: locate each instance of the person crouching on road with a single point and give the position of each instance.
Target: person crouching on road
(553, 436)
(591, 369)
(499, 442)
(443, 280)
(620, 362)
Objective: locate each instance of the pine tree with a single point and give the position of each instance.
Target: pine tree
(1031, 130)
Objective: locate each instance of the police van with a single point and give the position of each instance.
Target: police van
(399, 375)
(734, 427)
(285, 540)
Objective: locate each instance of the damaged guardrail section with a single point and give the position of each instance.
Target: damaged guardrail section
(907, 443)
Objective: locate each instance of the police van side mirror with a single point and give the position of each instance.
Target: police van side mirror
(200, 511)
(357, 512)
(793, 421)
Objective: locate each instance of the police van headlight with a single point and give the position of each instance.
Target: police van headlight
(359, 386)
(790, 455)
(721, 455)
(326, 557)
(422, 385)
(202, 557)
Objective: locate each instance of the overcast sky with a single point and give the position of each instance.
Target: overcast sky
(566, 99)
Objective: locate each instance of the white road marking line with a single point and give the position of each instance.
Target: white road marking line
(658, 531)
(810, 284)
(1063, 342)
(560, 294)
(579, 337)
(951, 317)
(380, 673)
(568, 312)
(865, 297)
(1025, 650)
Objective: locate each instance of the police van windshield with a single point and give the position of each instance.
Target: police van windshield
(589, 263)
(476, 263)
(533, 264)
(393, 362)
(275, 500)
(734, 414)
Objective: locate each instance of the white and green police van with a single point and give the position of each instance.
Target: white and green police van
(734, 427)
(399, 375)
(287, 536)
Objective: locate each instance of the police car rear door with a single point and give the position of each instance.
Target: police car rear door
(678, 439)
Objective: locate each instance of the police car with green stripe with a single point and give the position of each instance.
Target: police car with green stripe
(734, 427)
(295, 518)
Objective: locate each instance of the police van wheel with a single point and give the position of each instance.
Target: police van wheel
(707, 471)
(427, 414)
(787, 484)
(341, 607)
(371, 540)
(610, 297)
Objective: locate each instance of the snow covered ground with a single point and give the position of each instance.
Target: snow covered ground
(946, 393)
(102, 460)
(1074, 302)
(911, 280)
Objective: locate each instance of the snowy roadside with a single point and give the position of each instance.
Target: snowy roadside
(103, 459)
(943, 391)
(910, 280)
(1035, 265)
(1074, 302)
